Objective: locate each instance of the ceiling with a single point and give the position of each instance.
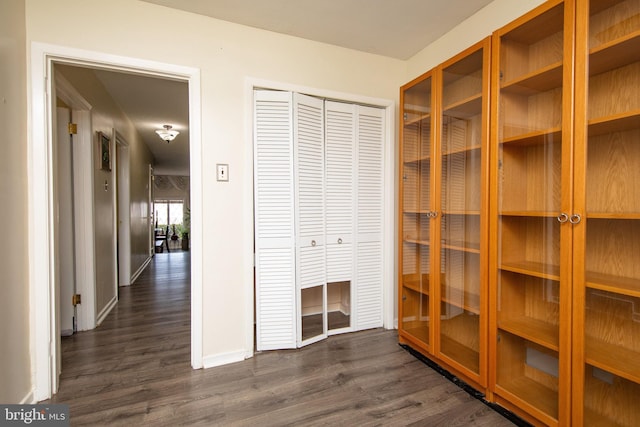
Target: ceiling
(150, 103)
(393, 28)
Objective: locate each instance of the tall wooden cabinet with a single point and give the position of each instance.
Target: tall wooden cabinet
(565, 282)
(532, 130)
(443, 241)
(537, 302)
(606, 241)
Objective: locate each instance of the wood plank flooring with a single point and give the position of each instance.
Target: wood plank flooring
(134, 370)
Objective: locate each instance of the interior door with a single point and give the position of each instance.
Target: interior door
(274, 221)
(308, 131)
(65, 232)
(340, 159)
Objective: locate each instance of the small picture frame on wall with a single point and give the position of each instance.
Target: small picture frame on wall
(105, 151)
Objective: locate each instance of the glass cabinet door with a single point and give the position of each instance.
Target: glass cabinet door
(463, 142)
(532, 83)
(416, 213)
(608, 288)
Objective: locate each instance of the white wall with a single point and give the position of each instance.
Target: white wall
(15, 366)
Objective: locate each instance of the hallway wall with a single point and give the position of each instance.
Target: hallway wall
(15, 359)
(106, 115)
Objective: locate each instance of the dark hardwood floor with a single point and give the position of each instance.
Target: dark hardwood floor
(134, 370)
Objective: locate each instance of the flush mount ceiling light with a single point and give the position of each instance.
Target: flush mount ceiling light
(167, 134)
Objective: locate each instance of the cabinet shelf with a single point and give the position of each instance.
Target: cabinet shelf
(535, 269)
(416, 211)
(459, 353)
(416, 241)
(534, 330)
(613, 215)
(532, 393)
(452, 296)
(414, 285)
(541, 80)
(422, 333)
(615, 284)
(465, 108)
(537, 137)
(461, 212)
(414, 116)
(614, 54)
(469, 247)
(532, 214)
(417, 160)
(463, 150)
(617, 123)
(613, 358)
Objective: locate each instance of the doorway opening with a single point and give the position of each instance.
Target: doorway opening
(44, 326)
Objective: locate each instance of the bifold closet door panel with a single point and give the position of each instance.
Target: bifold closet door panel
(274, 221)
(340, 147)
(370, 134)
(308, 134)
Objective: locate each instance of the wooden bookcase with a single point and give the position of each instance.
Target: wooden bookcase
(564, 271)
(537, 302)
(606, 271)
(443, 239)
(532, 93)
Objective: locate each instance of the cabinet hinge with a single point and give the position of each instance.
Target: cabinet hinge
(76, 299)
(73, 128)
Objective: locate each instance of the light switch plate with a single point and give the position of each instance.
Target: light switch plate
(222, 172)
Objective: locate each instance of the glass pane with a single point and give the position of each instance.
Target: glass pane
(461, 146)
(312, 309)
(416, 206)
(529, 202)
(612, 217)
(338, 305)
(175, 213)
(162, 212)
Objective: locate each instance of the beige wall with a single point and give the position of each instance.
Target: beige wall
(105, 116)
(490, 18)
(228, 54)
(15, 366)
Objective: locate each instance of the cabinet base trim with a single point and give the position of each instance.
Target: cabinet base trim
(466, 387)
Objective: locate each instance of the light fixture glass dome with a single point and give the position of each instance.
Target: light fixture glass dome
(167, 134)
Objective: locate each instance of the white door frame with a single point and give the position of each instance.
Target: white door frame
(43, 321)
(83, 205)
(123, 214)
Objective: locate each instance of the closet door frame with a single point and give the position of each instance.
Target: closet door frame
(389, 292)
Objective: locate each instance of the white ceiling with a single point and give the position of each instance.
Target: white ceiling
(393, 28)
(150, 103)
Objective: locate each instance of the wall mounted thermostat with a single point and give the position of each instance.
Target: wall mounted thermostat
(222, 172)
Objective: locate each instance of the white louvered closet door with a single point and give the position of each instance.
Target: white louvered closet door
(308, 130)
(274, 221)
(370, 133)
(340, 145)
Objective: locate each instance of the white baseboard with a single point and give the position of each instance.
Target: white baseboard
(106, 310)
(223, 359)
(139, 271)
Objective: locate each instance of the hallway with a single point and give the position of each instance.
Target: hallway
(134, 369)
